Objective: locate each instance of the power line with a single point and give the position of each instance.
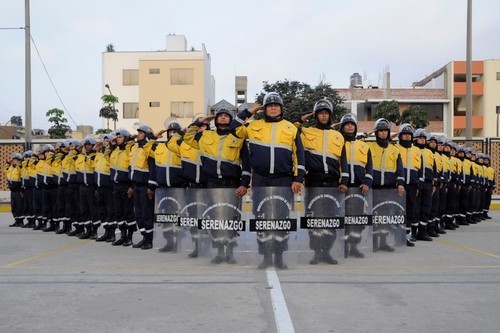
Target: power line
(21, 28)
(50, 79)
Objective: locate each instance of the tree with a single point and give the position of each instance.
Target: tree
(388, 110)
(299, 98)
(103, 131)
(110, 48)
(416, 116)
(108, 111)
(59, 129)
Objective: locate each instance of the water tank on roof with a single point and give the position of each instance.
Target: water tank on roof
(356, 80)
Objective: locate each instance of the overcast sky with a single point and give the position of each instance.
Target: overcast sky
(264, 40)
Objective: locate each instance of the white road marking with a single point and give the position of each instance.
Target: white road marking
(281, 316)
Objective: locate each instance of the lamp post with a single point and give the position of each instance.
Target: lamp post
(498, 113)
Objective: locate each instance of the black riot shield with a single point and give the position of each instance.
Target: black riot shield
(274, 221)
(389, 214)
(221, 219)
(168, 204)
(321, 234)
(358, 223)
(198, 243)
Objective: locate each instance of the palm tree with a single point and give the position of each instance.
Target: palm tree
(109, 111)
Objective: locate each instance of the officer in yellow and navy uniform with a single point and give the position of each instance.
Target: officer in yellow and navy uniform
(61, 185)
(142, 166)
(411, 157)
(476, 188)
(483, 171)
(28, 190)
(102, 177)
(490, 185)
(450, 166)
(45, 178)
(225, 160)
(72, 210)
(465, 185)
(12, 171)
(433, 228)
(360, 173)
(387, 173)
(428, 180)
(123, 202)
(444, 154)
(37, 189)
(195, 177)
(168, 173)
(472, 170)
(325, 157)
(89, 213)
(277, 159)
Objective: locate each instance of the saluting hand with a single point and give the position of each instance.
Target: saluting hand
(255, 109)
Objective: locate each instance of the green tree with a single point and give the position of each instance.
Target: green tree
(108, 111)
(59, 129)
(416, 116)
(103, 131)
(299, 98)
(110, 48)
(388, 110)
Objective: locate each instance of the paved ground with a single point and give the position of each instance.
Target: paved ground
(55, 283)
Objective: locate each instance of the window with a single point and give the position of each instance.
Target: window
(130, 110)
(130, 77)
(154, 104)
(498, 76)
(154, 71)
(181, 76)
(182, 109)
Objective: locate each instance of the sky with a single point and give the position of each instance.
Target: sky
(263, 40)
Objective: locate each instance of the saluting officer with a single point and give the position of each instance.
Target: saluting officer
(12, 171)
(277, 159)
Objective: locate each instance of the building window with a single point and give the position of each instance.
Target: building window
(130, 77)
(181, 76)
(154, 104)
(498, 76)
(182, 109)
(130, 110)
(154, 71)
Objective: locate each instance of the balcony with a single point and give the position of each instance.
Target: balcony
(459, 122)
(459, 88)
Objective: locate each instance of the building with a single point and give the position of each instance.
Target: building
(485, 92)
(154, 85)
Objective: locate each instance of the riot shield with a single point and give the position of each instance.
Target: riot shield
(389, 214)
(272, 230)
(321, 234)
(358, 223)
(221, 219)
(168, 205)
(197, 242)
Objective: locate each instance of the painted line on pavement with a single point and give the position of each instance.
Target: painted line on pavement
(467, 248)
(281, 315)
(46, 254)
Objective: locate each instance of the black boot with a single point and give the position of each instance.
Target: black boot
(431, 229)
(327, 258)
(409, 244)
(316, 258)
(87, 233)
(414, 232)
(60, 228)
(220, 254)
(440, 227)
(194, 253)
(31, 223)
(140, 244)
(278, 261)
(229, 254)
(268, 254)
(486, 216)
(383, 246)
(148, 243)
(169, 246)
(104, 237)
(76, 231)
(129, 237)
(68, 227)
(93, 233)
(422, 233)
(121, 240)
(111, 235)
(353, 251)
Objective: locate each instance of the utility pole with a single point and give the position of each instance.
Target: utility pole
(27, 93)
(468, 76)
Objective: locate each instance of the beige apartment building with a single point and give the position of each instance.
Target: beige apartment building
(155, 85)
(485, 92)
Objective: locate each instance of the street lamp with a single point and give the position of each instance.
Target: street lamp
(498, 113)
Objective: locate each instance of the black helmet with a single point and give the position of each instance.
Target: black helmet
(174, 127)
(382, 124)
(323, 104)
(406, 129)
(349, 118)
(226, 111)
(123, 132)
(272, 98)
(420, 132)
